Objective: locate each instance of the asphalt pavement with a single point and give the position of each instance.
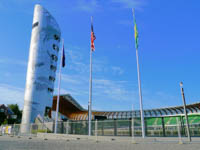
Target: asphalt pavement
(44, 143)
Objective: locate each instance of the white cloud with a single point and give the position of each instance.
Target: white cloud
(159, 99)
(73, 84)
(87, 5)
(13, 62)
(71, 79)
(20, 5)
(73, 54)
(115, 90)
(92, 6)
(117, 70)
(76, 80)
(130, 3)
(76, 62)
(79, 67)
(11, 95)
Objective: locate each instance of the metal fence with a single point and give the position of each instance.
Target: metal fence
(103, 128)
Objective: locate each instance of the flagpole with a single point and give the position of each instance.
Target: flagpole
(90, 96)
(90, 93)
(140, 90)
(140, 95)
(132, 125)
(58, 95)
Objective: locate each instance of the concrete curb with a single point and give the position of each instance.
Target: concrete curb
(112, 138)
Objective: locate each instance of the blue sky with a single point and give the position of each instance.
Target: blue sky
(168, 50)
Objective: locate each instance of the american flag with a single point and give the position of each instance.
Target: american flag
(92, 38)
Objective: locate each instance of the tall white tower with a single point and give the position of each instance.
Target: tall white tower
(42, 64)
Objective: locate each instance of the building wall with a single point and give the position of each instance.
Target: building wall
(42, 64)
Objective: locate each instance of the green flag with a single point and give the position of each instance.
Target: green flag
(136, 31)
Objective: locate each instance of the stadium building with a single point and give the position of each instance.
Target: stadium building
(158, 122)
(72, 110)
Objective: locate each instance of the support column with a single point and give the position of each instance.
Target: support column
(163, 126)
(182, 126)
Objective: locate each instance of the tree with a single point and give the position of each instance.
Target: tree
(17, 112)
(2, 117)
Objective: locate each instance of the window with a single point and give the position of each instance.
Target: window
(56, 37)
(35, 25)
(47, 110)
(55, 47)
(54, 57)
(53, 68)
(14, 116)
(50, 90)
(51, 78)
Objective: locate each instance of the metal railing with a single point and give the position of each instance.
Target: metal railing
(102, 128)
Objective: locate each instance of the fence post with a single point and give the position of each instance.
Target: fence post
(53, 126)
(132, 129)
(102, 128)
(62, 127)
(146, 127)
(13, 129)
(46, 125)
(30, 131)
(115, 127)
(72, 127)
(179, 134)
(67, 127)
(96, 128)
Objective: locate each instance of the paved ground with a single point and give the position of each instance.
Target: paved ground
(38, 143)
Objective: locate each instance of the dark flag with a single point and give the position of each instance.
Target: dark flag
(92, 37)
(63, 57)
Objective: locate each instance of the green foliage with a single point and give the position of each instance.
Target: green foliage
(40, 131)
(17, 111)
(2, 117)
(5, 121)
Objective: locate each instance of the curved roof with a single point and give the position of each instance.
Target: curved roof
(69, 107)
